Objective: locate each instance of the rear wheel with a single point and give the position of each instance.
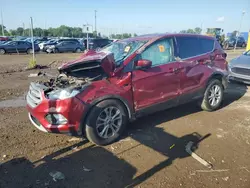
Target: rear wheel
(2, 51)
(213, 96)
(106, 122)
(29, 51)
(78, 50)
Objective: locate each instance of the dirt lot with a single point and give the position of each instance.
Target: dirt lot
(151, 154)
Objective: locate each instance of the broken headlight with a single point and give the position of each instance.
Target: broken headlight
(62, 94)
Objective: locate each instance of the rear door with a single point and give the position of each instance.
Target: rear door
(63, 46)
(157, 87)
(71, 46)
(193, 52)
(22, 46)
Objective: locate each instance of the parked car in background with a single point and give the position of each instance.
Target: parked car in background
(18, 47)
(66, 46)
(231, 42)
(99, 93)
(97, 43)
(239, 68)
(52, 43)
(49, 42)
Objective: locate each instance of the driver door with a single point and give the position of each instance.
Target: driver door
(157, 87)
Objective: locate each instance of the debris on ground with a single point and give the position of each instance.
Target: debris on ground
(172, 146)
(36, 74)
(86, 169)
(225, 178)
(195, 156)
(75, 148)
(220, 170)
(75, 139)
(56, 175)
(245, 168)
(4, 156)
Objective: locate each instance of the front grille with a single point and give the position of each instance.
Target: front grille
(34, 96)
(241, 71)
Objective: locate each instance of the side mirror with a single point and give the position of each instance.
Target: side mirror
(143, 64)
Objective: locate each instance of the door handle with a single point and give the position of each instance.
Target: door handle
(176, 70)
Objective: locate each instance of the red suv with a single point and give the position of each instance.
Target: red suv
(99, 93)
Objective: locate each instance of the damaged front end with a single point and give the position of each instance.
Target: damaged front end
(52, 104)
(75, 76)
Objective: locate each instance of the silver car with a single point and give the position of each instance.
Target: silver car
(239, 68)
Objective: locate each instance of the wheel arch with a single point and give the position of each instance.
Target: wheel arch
(124, 102)
(219, 76)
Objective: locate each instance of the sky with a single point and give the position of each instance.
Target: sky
(133, 16)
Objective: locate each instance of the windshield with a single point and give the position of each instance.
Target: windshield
(122, 49)
(10, 42)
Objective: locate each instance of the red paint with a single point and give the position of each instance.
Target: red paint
(139, 88)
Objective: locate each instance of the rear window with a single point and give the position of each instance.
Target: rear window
(191, 46)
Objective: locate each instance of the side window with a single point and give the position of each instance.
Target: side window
(160, 52)
(188, 46)
(66, 43)
(207, 45)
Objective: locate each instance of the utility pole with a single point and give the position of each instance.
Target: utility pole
(237, 36)
(23, 29)
(2, 22)
(201, 28)
(32, 38)
(95, 22)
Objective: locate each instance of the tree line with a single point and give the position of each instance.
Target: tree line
(62, 31)
(76, 32)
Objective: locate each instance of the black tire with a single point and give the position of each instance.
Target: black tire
(78, 50)
(205, 105)
(243, 45)
(29, 51)
(2, 51)
(91, 127)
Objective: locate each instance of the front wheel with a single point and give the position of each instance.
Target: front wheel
(106, 122)
(2, 51)
(213, 96)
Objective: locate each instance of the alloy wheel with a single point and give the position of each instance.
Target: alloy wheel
(109, 122)
(214, 96)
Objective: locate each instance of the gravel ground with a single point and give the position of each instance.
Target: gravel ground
(151, 154)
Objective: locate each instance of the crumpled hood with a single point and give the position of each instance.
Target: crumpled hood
(241, 61)
(104, 60)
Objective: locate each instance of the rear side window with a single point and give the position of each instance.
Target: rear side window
(207, 45)
(190, 46)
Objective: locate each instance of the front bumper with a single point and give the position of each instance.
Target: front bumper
(239, 78)
(72, 109)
